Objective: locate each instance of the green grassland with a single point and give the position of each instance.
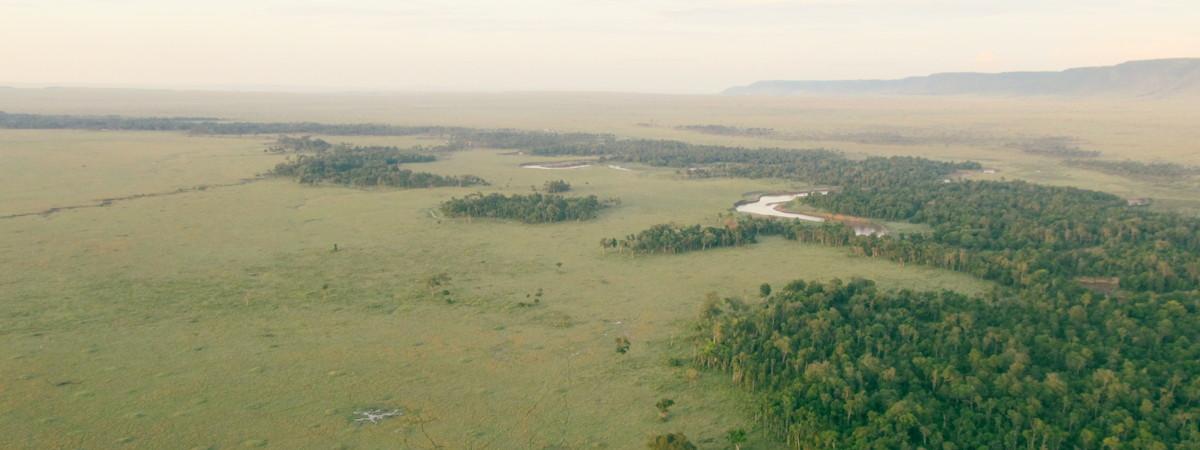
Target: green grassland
(222, 318)
(1134, 129)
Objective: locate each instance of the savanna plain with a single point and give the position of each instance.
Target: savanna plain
(158, 291)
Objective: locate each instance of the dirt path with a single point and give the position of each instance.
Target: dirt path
(109, 201)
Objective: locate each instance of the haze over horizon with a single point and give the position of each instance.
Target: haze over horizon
(665, 46)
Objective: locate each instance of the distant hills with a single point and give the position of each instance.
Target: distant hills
(1150, 78)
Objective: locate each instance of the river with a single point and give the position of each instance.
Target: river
(768, 205)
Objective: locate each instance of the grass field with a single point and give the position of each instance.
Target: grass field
(1140, 130)
(221, 318)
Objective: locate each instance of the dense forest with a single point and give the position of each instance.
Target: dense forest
(285, 144)
(367, 166)
(531, 208)
(814, 166)
(845, 365)
(1158, 171)
(1019, 233)
(672, 238)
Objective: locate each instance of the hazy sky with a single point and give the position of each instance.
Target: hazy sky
(609, 45)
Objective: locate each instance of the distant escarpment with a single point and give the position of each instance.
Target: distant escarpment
(1159, 78)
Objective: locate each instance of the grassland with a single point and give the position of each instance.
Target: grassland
(221, 318)
(1134, 129)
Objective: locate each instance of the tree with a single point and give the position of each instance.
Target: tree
(736, 437)
(670, 441)
(764, 290)
(556, 186)
(664, 408)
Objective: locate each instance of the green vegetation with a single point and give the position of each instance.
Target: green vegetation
(1053, 146)
(726, 130)
(736, 231)
(664, 408)
(1024, 234)
(285, 144)
(670, 441)
(736, 438)
(530, 208)
(556, 186)
(367, 166)
(1160, 171)
(623, 344)
(237, 305)
(814, 166)
(459, 137)
(845, 365)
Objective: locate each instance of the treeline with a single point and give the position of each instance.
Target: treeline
(530, 208)
(1139, 170)
(208, 125)
(844, 365)
(285, 144)
(672, 238)
(1021, 233)
(111, 122)
(815, 166)
(727, 130)
(1017, 234)
(1053, 146)
(367, 166)
(458, 137)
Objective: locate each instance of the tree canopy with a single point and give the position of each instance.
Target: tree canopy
(531, 208)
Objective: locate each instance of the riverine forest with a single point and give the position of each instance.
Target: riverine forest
(450, 250)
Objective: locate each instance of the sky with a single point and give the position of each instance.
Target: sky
(666, 46)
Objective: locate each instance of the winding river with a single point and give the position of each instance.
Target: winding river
(768, 205)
